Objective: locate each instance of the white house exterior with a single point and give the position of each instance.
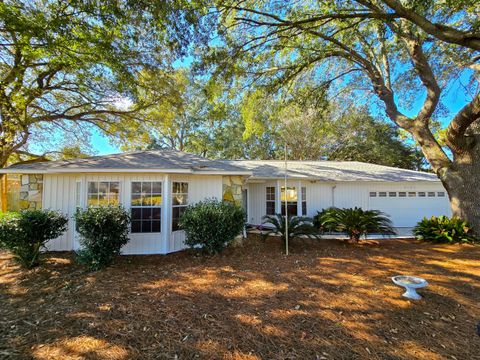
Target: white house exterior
(155, 186)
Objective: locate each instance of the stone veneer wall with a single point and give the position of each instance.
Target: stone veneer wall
(232, 189)
(31, 191)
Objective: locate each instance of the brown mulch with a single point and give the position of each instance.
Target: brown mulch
(327, 300)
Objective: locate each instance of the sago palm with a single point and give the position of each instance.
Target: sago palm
(297, 226)
(356, 222)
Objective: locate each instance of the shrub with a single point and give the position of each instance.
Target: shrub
(25, 233)
(443, 229)
(103, 230)
(297, 226)
(318, 220)
(212, 224)
(357, 222)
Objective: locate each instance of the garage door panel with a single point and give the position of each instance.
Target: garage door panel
(407, 211)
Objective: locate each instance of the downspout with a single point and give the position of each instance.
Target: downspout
(333, 194)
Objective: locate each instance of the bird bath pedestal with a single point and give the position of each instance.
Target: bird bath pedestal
(410, 283)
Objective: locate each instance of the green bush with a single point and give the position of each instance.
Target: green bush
(356, 222)
(212, 224)
(103, 231)
(443, 229)
(25, 233)
(297, 226)
(318, 220)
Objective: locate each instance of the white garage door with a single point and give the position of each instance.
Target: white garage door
(406, 208)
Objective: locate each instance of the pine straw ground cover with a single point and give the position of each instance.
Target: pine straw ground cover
(327, 300)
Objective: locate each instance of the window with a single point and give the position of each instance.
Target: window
(291, 198)
(146, 206)
(402, 194)
(382, 194)
(304, 201)
(392, 194)
(373, 194)
(179, 202)
(441, 193)
(412, 194)
(421, 194)
(270, 200)
(102, 193)
(431, 194)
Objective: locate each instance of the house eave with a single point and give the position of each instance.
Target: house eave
(109, 170)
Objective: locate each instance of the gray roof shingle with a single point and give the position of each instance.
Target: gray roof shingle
(171, 160)
(331, 171)
(177, 161)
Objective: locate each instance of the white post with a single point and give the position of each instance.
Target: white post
(286, 204)
(166, 211)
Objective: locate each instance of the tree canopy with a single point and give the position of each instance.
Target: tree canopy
(76, 63)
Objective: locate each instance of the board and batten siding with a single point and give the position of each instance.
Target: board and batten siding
(404, 212)
(60, 192)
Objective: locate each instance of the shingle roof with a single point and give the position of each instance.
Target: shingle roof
(176, 161)
(331, 171)
(171, 160)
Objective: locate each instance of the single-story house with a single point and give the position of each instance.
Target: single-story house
(156, 187)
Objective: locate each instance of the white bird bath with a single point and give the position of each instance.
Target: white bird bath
(410, 283)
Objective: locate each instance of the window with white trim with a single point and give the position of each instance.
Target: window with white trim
(441, 194)
(102, 193)
(291, 198)
(146, 206)
(373, 194)
(382, 194)
(179, 202)
(270, 200)
(431, 194)
(392, 194)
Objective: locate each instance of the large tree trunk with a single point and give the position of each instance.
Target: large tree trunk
(462, 182)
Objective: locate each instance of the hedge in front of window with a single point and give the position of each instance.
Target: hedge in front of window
(103, 230)
(212, 224)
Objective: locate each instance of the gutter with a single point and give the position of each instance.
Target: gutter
(106, 170)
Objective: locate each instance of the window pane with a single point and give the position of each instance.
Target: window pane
(92, 187)
(146, 226)
(304, 194)
(92, 200)
(146, 213)
(304, 208)
(136, 200)
(113, 199)
(102, 200)
(412, 193)
(136, 226)
(431, 194)
(156, 200)
(146, 187)
(270, 208)
(146, 199)
(421, 193)
(157, 187)
(114, 187)
(441, 194)
(179, 200)
(292, 208)
(156, 226)
(136, 214)
(136, 187)
(382, 194)
(291, 194)
(156, 213)
(184, 188)
(103, 187)
(373, 194)
(392, 194)
(402, 194)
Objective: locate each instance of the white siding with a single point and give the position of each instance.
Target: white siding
(320, 195)
(59, 194)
